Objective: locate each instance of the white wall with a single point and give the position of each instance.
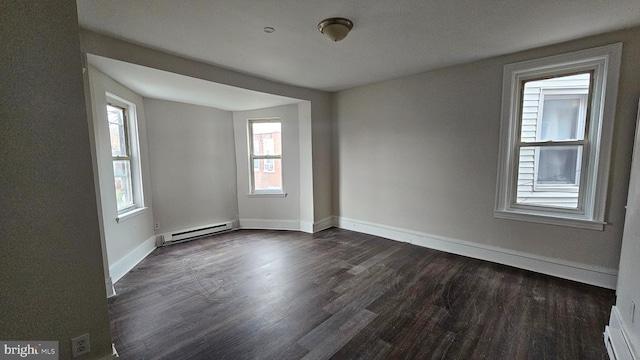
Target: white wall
(193, 165)
(125, 237)
(307, 223)
(51, 272)
(419, 154)
(628, 291)
(267, 211)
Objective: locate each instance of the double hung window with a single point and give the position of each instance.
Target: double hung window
(265, 153)
(554, 110)
(557, 121)
(121, 154)
(562, 116)
(125, 156)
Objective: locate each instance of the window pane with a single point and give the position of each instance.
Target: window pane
(115, 117)
(266, 138)
(268, 146)
(555, 108)
(271, 177)
(122, 177)
(549, 176)
(560, 119)
(558, 165)
(269, 165)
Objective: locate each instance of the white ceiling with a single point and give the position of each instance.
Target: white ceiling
(389, 38)
(158, 84)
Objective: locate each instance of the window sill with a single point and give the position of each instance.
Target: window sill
(267, 195)
(543, 218)
(130, 214)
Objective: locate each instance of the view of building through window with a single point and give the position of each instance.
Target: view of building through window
(121, 156)
(552, 132)
(266, 155)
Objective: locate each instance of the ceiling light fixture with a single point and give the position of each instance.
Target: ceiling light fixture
(335, 29)
(269, 29)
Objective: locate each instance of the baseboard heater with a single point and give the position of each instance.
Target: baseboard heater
(194, 233)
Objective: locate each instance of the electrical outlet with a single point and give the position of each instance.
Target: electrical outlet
(156, 226)
(80, 345)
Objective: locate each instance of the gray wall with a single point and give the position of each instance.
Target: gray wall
(272, 212)
(51, 272)
(420, 153)
(193, 165)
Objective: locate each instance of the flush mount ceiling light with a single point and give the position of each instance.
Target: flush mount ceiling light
(335, 29)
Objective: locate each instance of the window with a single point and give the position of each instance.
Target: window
(553, 109)
(123, 140)
(557, 121)
(561, 116)
(265, 138)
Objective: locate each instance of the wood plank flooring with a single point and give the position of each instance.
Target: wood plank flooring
(344, 295)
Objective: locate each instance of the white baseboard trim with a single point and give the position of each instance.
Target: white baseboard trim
(598, 276)
(293, 225)
(124, 265)
(615, 338)
(268, 224)
(323, 224)
(306, 226)
(111, 291)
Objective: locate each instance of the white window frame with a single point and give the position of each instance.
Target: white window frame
(253, 157)
(133, 143)
(604, 62)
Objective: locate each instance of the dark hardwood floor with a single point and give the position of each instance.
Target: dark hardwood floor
(345, 295)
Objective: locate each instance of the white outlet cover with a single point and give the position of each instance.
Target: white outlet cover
(80, 345)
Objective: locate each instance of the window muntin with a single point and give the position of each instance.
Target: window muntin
(578, 148)
(265, 153)
(121, 156)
